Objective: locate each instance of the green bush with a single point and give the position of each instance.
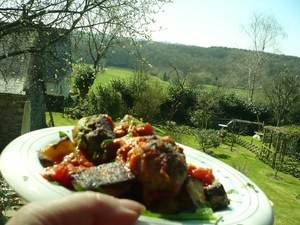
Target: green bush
(105, 99)
(179, 104)
(83, 78)
(208, 139)
(234, 106)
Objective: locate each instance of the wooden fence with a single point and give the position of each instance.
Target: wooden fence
(284, 164)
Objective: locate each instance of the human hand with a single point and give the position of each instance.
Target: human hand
(81, 208)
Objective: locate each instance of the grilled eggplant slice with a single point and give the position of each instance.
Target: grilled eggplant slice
(113, 178)
(216, 196)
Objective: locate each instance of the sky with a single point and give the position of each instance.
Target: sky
(207, 23)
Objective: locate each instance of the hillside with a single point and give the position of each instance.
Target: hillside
(215, 65)
(218, 66)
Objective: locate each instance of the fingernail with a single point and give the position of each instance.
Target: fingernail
(133, 205)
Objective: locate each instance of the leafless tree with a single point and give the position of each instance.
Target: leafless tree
(264, 32)
(25, 16)
(283, 93)
(128, 21)
(32, 26)
(183, 68)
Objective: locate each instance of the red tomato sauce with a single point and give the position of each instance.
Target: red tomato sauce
(62, 171)
(205, 174)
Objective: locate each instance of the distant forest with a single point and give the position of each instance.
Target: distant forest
(219, 66)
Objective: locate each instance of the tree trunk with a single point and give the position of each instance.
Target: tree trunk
(277, 149)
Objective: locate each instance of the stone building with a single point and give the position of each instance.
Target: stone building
(26, 79)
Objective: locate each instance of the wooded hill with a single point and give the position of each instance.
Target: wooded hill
(214, 65)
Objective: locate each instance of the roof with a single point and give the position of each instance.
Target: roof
(12, 86)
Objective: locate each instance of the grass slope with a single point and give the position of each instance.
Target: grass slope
(283, 191)
(114, 73)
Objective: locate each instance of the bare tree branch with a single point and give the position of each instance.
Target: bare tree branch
(263, 31)
(131, 16)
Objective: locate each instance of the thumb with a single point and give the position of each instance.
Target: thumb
(81, 208)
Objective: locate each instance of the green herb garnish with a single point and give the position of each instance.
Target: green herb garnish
(204, 213)
(62, 134)
(251, 186)
(106, 142)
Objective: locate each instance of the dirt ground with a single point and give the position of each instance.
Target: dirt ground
(9, 201)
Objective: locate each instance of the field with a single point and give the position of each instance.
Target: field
(113, 73)
(283, 191)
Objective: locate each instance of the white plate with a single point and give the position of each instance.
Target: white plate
(21, 168)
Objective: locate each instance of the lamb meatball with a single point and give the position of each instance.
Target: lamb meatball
(93, 134)
(158, 164)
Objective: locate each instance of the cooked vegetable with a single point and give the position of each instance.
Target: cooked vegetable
(62, 171)
(216, 196)
(203, 213)
(205, 174)
(55, 151)
(190, 198)
(132, 127)
(111, 178)
(195, 192)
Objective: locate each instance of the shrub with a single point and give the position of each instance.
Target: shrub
(83, 78)
(104, 99)
(208, 139)
(179, 104)
(235, 106)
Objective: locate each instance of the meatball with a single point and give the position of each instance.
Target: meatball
(93, 135)
(158, 164)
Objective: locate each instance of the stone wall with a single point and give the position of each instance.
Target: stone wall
(11, 117)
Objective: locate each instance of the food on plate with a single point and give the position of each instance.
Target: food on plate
(61, 171)
(113, 178)
(132, 127)
(90, 135)
(158, 163)
(54, 152)
(127, 159)
(205, 174)
(216, 196)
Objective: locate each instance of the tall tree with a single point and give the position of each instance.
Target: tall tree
(264, 32)
(183, 67)
(283, 93)
(26, 26)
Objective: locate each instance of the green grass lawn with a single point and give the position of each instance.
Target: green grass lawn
(60, 119)
(283, 191)
(114, 73)
(258, 95)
